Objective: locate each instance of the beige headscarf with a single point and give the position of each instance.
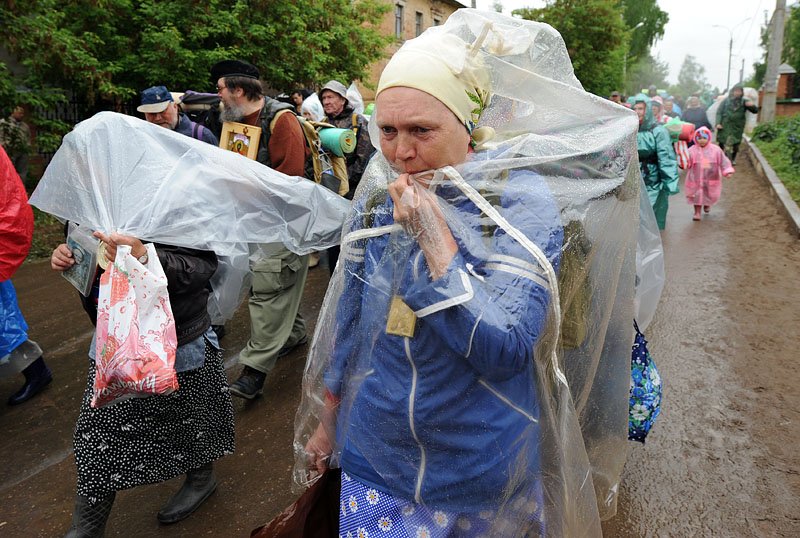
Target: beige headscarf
(449, 69)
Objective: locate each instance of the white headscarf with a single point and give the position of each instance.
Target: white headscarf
(312, 105)
(448, 68)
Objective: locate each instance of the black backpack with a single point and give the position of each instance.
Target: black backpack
(202, 109)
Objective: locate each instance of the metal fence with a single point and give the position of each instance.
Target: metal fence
(73, 111)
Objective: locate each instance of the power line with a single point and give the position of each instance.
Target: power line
(749, 29)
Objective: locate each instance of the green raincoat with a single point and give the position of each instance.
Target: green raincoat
(731, 115)
(658, 162)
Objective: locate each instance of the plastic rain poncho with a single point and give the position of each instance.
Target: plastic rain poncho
(16, 219)
(650, 271)
(355, 99)
(731, 115)
(462, 393)
(119, 173)
(658, 162)
(707, 165)
(313, 107)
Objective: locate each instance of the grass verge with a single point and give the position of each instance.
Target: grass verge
(779, 142)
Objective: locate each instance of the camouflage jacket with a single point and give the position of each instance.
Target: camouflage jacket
(357, 160)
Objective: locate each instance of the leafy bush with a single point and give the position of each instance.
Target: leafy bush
(779, 141)
(48, 233)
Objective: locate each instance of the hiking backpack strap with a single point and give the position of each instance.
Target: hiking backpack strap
(277, 115)
(197, 131)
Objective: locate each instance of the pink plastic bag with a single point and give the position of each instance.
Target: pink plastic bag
(136, 338)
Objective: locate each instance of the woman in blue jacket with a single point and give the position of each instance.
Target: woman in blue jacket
(435, 332)
(435, 378)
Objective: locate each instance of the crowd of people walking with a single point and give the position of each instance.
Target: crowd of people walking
(659, 152)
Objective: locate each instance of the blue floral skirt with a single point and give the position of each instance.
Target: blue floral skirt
(367, 513)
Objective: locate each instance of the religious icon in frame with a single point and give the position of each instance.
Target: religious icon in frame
(240, 138)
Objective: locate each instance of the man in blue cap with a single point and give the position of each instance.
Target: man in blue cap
(160, 108)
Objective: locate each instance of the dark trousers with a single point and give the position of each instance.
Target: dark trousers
(733, 150)
(333, 257)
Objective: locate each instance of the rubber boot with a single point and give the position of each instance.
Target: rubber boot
(199, 484)
(89, 520)
(37, 376)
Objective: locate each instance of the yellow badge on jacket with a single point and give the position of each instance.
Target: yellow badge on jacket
(401, 321)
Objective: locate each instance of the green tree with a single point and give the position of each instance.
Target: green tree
(104, 52)
(595, 35)
(652, 19)
(790, 53)
(646, 71)
(791, 44)
(692, 76)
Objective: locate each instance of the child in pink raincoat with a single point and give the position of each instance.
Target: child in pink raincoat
(707, 165)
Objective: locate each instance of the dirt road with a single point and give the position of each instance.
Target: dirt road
(722, 459)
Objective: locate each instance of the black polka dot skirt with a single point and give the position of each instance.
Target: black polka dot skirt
(147, 440)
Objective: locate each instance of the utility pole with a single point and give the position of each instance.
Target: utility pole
(773, 61)
(730, 48)
(741, 73)
(730, 55)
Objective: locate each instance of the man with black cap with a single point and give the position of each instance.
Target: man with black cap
(276, 326)
(160, 108)
(339, 112)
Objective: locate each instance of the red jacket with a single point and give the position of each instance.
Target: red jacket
(16, 219)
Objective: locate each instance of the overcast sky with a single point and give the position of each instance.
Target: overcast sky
(689, 31)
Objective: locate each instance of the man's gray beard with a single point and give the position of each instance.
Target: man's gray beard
(231, 112)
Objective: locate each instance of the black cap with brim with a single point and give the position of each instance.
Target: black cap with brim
(233, 68)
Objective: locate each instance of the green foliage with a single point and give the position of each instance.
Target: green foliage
(648, 70)
(109, 50)
(779, 141)
(692, 77)
(12, 138)
(653, 21)
(791, 48)
(791, 44)
(48, 233)
(595, 35)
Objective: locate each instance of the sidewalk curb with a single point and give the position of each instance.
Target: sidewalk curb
(778, 190)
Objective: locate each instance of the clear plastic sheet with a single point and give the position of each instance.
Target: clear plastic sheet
(355, 99)
(509, 404)
(116, 172)
(313, 106)
(650, 273)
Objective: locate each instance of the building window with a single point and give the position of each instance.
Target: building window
(398, 21)
(436, 22)
(418, 24)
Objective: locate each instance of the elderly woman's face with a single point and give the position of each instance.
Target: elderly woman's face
(418, 132)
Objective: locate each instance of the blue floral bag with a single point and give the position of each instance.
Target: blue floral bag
(645, 402)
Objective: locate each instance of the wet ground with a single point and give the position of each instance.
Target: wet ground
(722, 459)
